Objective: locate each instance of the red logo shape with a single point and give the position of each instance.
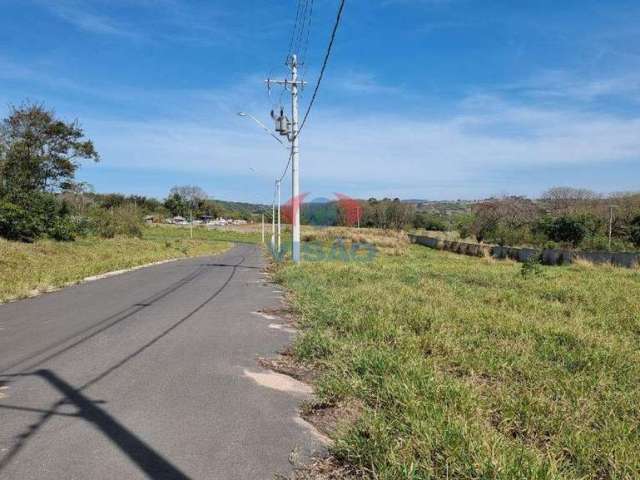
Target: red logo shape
(349, 210)
(292, 207)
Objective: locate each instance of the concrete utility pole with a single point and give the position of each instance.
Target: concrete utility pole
(279, 224)
(295, 161)
(611, 207)
(294, 84)
(273, 224)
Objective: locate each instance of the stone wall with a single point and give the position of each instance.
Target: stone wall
(548, 256)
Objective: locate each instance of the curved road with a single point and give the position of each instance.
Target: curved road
(148, 374)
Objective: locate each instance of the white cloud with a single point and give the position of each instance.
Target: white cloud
(81, 17)
(360, 82)
(560, 85)
(370, 150)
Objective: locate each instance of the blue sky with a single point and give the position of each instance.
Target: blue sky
(438, 99)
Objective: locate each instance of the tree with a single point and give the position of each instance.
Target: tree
(39, 152)
(77, 191)
(564, 200)
(192, 198)
(176, 205)
(429, 221)
(39, 156)
(566, 229)
(504, 221)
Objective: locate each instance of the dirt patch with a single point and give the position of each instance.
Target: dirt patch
(286, 364)
(330, 419)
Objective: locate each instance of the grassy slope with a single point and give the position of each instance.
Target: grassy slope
(469, 370)
(41, 266)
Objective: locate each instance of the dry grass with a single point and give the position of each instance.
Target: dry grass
(390, 242)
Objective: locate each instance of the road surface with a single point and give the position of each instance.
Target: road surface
(149, 374)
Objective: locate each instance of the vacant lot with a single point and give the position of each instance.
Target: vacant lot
(465, 368)
(26, 269)
(244, 234)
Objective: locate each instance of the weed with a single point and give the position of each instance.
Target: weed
(532, 267)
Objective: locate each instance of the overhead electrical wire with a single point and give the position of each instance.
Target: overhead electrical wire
(324, 65)
(304, 49)
(334, 31)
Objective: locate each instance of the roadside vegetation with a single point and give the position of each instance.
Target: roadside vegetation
(469, 368)
(27, 269)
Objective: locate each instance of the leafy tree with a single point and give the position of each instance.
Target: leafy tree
(176, 205)
(40, 152)
(186, 200)
(567, 229)
(504, 221)
(429, 221)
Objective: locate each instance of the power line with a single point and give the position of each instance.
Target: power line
(320, 77)
(294, 31)
(301, 30)
(306, 43)
(324, 65)
(286, 168)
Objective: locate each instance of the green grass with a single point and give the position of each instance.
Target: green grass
(26, 269)
(470, 370)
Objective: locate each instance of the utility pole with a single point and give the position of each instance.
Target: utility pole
(294, 84)
(295, 162)
(273, 224)
(279, 224)
(263, 228)
(611, 207)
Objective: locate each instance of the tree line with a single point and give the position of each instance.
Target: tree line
(562, 217)
(40, 196)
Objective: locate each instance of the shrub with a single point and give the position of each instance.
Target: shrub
(27, 217)
(64, 229)
(566, 229)
(429, 222)
(125, 221)
(532, 267)
(15, 224)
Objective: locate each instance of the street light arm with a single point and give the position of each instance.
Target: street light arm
(263, 126)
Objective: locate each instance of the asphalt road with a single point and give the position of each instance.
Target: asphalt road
(149, 374)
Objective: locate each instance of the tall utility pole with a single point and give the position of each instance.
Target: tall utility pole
(294, 84)
(611, 207)
(279, 241)
(295, 162)
(273, 224)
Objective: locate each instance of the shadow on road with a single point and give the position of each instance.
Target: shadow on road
(144, 456)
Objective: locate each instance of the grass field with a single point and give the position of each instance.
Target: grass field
(466, 369)
(27, 269)
(248, 234)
